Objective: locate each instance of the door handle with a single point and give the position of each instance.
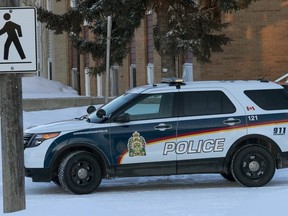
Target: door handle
(162, 127)
(232, 121)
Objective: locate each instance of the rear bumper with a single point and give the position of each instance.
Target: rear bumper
(284, 160)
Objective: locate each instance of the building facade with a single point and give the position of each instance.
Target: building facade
(258, 50)
(259, 47)
(53, 50)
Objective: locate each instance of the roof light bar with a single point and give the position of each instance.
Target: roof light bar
(173, 81)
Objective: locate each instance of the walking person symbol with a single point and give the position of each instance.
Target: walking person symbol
(13, 31)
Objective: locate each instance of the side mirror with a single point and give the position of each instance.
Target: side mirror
(91, 109)
(101, 113)
(123, 117)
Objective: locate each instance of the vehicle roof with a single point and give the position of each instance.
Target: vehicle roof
(232, 85)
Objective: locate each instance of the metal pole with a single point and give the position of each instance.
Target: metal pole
(109, 25)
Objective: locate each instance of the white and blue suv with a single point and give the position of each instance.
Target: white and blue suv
(235, 128)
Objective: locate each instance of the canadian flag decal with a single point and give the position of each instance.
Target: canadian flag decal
(250, 108)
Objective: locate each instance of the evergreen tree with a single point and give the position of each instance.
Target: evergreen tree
(126, 17)
(182, 26)
(191, 26)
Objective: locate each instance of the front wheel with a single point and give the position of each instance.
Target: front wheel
(80, 173)
(253, 165)
(228, 176)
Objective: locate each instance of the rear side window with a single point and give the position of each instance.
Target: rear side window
(205, 103)
(270, 99)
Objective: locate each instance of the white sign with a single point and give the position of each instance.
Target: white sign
(18, 48)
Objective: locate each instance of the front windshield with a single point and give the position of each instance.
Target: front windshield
(112, 106)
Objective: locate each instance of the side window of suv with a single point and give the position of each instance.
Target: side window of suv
(269, 99)
(205, 103)
(152, 106)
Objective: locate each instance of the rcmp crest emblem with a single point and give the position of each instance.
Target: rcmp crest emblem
(136, 145)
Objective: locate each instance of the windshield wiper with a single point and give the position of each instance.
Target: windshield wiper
(82, 117)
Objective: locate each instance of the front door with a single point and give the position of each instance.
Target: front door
(138, 143)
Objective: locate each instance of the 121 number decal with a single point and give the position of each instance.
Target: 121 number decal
(253, 118)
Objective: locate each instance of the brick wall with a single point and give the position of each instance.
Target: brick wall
(141, 53)
(141, 60)
(61, 64)
(259, 48)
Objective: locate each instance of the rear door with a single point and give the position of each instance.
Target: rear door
(210, 121)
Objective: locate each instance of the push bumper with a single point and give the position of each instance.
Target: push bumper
(39, 174)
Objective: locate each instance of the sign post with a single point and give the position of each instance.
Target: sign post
(17, 55)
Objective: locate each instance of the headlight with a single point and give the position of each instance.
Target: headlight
(39, 138)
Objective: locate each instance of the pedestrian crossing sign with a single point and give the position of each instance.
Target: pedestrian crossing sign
(18, 44)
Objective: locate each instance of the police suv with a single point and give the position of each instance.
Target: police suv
(235, 128)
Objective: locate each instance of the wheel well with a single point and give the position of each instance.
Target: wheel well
(256, 139)
(59, 157)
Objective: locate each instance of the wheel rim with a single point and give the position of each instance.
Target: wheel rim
(254, 166)
(82, 173)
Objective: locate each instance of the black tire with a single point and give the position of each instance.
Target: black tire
(228, 176)
(79, 173)
(253, 166)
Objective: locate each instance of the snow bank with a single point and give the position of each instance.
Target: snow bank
(39, 87)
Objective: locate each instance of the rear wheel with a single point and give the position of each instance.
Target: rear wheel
(253, 165)
(80, 173)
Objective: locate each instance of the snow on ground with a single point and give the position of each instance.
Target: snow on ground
(185, 195)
